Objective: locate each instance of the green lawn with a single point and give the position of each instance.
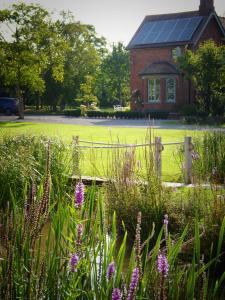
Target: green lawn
(94, 162)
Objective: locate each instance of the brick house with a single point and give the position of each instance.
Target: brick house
(156, 82)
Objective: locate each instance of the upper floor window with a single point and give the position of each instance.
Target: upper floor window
(176, 52)
(171, 90)
(154, 90)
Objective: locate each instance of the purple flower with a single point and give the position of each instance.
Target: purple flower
(116, 294)
(163, 265)
(79, 195)
(111, 270)
(74, 262)
(166, 219)
(133, 284)
(166, 222)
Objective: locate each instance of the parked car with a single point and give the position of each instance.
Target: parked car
(8, 106)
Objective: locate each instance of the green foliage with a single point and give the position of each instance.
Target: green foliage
(72, 112)
(206, 68)
(37, 253)
(210, 166)
(32, 47)
(23, 160)
(112, 83)
(86, 92)
(128, 114)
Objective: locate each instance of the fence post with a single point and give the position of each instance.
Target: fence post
(188, 160)
(76, 166)
(158, 157)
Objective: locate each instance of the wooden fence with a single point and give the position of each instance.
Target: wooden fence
(158, 148)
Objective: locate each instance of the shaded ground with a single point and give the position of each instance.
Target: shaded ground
(141, 123)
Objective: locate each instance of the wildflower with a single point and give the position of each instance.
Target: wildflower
(79, 234)
(116, 294)
(163, 265)
(133, 284)
(79, 195)
(166, 222)
(111, 270)
(138, 243)
(74, 262)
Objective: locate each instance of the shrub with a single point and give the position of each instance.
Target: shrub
(72, 112)
(129, 114)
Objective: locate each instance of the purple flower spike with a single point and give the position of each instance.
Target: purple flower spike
(79, 195)
(166, 222)
(111, 270)
(116, 294)
(163, 265)
(133, 284)
(74, 262)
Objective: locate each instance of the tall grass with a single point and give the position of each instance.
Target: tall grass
(208, 157)
(45, 256)
(23, 160)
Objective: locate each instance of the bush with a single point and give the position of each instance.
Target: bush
(72, 112)
(129, 114)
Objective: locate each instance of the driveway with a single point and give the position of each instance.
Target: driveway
(140, 123)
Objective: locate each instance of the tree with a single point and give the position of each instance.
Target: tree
(113, 76)
(29, 49)
(206, 69)
(83, 57)
(87, 91)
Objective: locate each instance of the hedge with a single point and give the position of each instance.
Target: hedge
(72, 112)
(129, 114)
(118, 114)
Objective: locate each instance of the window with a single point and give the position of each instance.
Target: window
(154, 90)
(171, 90)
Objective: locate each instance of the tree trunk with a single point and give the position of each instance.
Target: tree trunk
(38, 101)
(21, 104)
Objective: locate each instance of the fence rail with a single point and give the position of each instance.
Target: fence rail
(158, 148)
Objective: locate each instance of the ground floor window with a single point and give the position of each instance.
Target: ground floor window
(171, 90)
(153, 90)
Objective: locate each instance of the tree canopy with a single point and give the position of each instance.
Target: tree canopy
(53, 61)
(206, 69)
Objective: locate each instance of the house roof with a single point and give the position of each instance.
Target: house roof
(160, 68)
(172, 29)
(222, 20)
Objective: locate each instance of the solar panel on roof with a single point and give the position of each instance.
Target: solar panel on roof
(176, 30)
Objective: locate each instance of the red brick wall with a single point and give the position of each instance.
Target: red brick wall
(140, 58)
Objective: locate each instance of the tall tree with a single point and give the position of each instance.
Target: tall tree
(113, 76)
(206, 69)
(28, 49)
(83, 56)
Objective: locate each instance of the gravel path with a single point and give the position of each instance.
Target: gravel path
(141, 123)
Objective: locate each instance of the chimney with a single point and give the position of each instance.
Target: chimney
(206, 6)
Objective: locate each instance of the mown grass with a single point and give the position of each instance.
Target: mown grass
(95, 162)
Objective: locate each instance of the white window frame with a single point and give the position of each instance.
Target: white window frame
(156, 98)
(168, 98)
